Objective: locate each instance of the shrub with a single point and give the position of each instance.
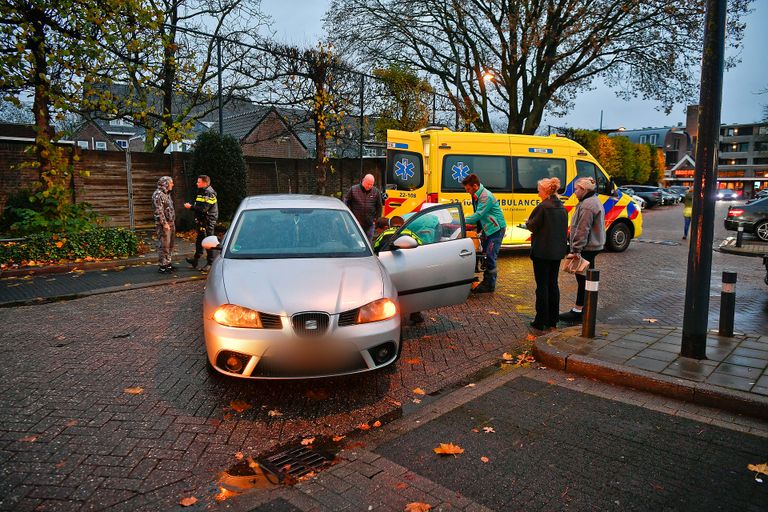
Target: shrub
(97, 243)
(221, 158)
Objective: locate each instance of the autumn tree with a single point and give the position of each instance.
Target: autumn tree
(538, 54)
(404, 100)
(168, 86)
(642, 170)
(54, 51)
(658, 165)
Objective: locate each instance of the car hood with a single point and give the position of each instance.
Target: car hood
(289, 286)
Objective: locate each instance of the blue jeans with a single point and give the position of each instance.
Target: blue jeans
(687, 225)
(491, 246)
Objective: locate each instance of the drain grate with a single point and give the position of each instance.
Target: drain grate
(296, 462)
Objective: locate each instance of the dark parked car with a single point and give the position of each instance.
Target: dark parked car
(682, 190)
(761, 194)
(726, 194)
(679, 192)
(670, 196)
(652, 195)
(753, 216)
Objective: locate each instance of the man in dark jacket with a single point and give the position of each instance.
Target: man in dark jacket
(366, 202)
(206, 214)
(548, 225)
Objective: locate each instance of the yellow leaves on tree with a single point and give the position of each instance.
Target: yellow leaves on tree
(448, 449)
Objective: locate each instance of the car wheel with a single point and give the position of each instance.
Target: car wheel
(619, 237)
(761, 230)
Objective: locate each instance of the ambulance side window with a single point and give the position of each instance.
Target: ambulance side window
(493, 172)
(590, 170)
(528, 172)
(405, 171)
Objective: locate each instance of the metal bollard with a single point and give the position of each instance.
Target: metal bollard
(727, 304)
(739, 235)
(590, 304)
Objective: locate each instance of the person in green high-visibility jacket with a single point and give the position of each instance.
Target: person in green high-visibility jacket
(206, 210)
(490, 219)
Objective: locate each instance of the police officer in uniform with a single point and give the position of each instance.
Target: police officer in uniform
(206, 214)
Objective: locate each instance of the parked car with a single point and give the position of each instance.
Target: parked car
(681, 190)
(753, 216)
(652, 195)
(727, 194)
(631, 193)
(762, 193)
(679, 196)
(297, 290)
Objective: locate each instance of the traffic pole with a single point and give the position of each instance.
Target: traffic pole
(589, 317)
(740, 235)
(727, 304)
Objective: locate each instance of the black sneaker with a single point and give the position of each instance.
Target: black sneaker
(571, 316)
(163, 269)
(171, 268)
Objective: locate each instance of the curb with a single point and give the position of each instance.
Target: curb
(68, 267)
(99, 291)
(741, 252)
(698, 393)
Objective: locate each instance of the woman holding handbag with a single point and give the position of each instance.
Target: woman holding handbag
(587, 238)
(548, 225)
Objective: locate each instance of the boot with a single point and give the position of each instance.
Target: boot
(193, 262)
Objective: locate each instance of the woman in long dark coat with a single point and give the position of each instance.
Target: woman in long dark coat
(548, 225)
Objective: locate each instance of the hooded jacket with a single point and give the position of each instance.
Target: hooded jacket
(588, 225)
(162, 202)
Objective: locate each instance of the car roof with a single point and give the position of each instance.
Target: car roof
(292, 201)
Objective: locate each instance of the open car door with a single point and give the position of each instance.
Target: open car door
(438, 272)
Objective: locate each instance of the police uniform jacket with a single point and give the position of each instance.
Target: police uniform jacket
(206, 207)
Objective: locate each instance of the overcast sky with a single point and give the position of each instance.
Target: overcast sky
(300, 22)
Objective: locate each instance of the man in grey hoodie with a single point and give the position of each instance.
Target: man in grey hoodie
(587, 237)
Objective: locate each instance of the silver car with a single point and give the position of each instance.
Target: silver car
(297, 290)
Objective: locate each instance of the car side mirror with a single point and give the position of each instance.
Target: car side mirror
(405, 242)
(211, 243)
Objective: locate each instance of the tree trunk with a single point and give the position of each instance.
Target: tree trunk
(41, 104)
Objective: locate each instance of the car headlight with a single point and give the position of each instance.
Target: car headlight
(377, 311)
(237, 316)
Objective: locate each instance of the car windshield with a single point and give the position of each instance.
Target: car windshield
(296, 233)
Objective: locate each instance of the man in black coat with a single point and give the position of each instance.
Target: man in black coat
(206, 214)
(366, 202)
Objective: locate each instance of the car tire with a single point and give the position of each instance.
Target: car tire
(761, 230)
(618, 238)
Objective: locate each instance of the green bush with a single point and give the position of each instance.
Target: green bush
(221, 158)
(97, 243)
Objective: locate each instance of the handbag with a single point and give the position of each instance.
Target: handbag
(574, 264)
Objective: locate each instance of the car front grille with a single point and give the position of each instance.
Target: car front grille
(310, 325)
(270, 321)
(348, 317)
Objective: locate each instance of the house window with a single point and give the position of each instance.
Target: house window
(761, 146)
(101, 145)
(122, 143)
(120, 122)
(83, 144)
(762, 130)
(643, 139)
(653, 139)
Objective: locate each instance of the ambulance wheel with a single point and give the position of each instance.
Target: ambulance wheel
(618, 237)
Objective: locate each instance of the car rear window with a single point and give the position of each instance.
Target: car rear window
(296, 233)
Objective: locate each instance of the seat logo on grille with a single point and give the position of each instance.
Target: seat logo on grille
(310, 325)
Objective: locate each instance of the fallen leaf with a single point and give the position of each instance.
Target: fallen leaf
(336, 439)
(364, 426)
(307, 441)
(376, 424)
(134, 391)
(239, 455)
(286, 468)
(416, 401)
(61, 464)
(485, 460)
(225, 494)
(419, 391)
(401, 485)
(274, 413)
(413, 360)
(448, 449)
(650, 320)
(186, 502)
(506, 356)
(488, 430)
(417, 506)
(239, 405)
(28, 439)
(393, 402)
(71, 423)
(530, 337)
(759, 469)
(470, 385)
(475, 430)
(570, 379)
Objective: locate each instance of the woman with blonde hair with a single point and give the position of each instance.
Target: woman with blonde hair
(548, 225)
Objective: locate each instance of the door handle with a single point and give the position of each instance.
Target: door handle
(465, 253)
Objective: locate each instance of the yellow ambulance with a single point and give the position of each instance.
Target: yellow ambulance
(428, 166)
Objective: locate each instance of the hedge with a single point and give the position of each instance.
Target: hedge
(92, 244)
